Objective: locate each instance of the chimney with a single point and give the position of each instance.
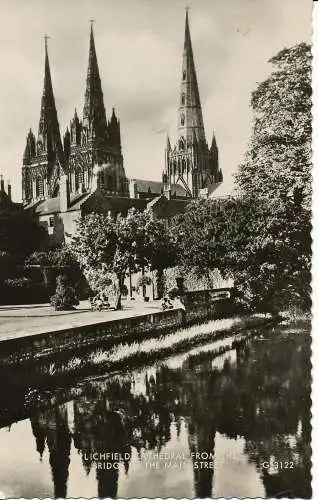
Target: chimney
(9, 190)
(64, 193)
(1, 184)
(133, 192)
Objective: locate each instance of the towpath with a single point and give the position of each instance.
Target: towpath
(25, 320)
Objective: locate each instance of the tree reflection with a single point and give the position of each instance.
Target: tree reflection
(51, 427)
(262, 396)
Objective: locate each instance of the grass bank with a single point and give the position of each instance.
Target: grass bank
(136, 353)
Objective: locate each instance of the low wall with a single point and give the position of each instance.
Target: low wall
(199, 306)
(44, 344)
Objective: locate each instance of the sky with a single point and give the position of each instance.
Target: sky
(139, 46)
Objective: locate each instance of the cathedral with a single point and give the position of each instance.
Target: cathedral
(63, 180)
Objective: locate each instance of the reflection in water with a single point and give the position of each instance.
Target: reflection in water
(201, 421)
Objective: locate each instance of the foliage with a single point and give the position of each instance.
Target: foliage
(24, 291)
(99, 281)
(64, 297)
(19, 282)
(277, 166)
(261, 237)
(270, 230)
(103, 245)
(124, 289)
(196, 234)
(61, 256)
(143, 281)
(19, 232)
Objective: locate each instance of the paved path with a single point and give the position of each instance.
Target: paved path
(20, 321)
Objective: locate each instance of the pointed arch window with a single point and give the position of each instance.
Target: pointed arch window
(181, 144)
(184, 74)
(183, 99)
(77, 180)
(39, 187)
(182, 120)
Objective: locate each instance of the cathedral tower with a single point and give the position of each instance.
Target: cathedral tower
(191, 162)
(93, 143)
(43, 157)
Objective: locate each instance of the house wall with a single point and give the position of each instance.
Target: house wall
(60, 227)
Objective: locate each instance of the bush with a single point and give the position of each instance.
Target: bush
(59, 257)
(65, 297)
(24, 291)
(124, 289)
(143, 281)
(18, 282)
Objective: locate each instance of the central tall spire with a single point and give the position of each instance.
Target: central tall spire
(49, 137)
(190, 124)
(191, 162)
(94, 114)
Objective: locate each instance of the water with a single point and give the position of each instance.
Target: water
(191, 425)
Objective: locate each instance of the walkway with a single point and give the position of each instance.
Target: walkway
(25, 320)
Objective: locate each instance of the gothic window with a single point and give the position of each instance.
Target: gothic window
(76, 175)
(39, 187)
(184, 74)
(80, 178)
(110, 182)
(183, 99)
(182, 120)
(181, 144)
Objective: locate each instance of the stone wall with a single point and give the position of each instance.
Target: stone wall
(199, 306)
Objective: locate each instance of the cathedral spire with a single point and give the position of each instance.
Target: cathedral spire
(49, 138)
(94, 114)
(190, 112)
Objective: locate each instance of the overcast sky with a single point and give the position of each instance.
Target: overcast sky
(139, 47)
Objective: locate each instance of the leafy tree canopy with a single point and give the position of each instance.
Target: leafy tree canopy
(19, 233)
(277, 167)
(262, 238)
(137, 241)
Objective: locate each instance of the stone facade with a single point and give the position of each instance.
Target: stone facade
(61, 182)
(94, 140)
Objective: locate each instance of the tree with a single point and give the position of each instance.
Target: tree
(151, 246)
(64, 297)
(19, 232)
(103, 245)
(278, 164)
(97, 249)
(272, 216)
(262, 237)
(197, 237)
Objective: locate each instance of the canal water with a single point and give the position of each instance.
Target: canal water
(192, 425)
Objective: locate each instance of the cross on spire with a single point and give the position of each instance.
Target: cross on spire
(46, 38)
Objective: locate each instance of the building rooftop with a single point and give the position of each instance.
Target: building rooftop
(156, 188)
